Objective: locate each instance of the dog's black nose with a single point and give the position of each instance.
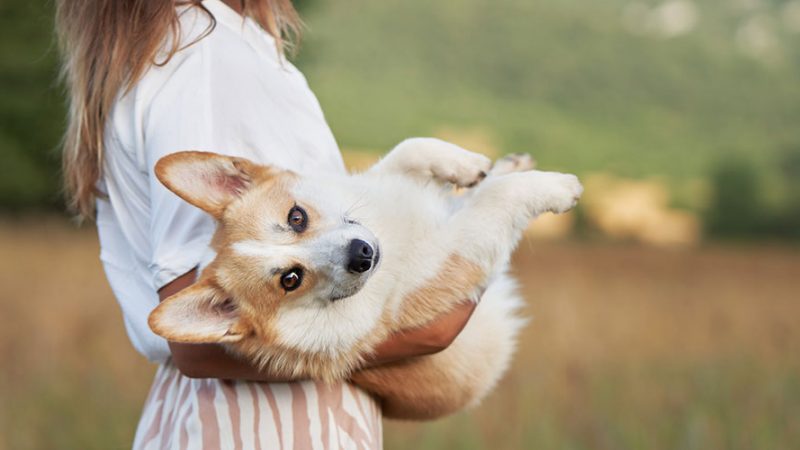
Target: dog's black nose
(359, 256)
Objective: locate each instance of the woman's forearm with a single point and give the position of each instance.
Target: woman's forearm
(426, 340)
(212, 361)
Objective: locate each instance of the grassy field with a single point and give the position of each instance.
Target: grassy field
(629, 348)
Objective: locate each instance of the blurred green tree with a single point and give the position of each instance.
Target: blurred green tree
(736, 207)
(739, 209)
(31, 106)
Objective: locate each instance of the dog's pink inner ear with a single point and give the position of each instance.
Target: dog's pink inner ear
(230, 184)
(206, 180)
(225, 180)
(200, 314)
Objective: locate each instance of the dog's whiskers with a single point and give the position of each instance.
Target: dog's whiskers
(359, 203)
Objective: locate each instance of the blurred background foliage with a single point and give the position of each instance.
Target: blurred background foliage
(684, 90)
(31, 107)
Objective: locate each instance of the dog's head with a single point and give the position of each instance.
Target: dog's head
(288, 254)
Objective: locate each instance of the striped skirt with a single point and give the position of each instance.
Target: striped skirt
(185, 413)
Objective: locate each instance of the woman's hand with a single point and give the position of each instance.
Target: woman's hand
(427, 340)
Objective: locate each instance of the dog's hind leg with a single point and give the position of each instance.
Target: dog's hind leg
(489, 224)
(431, 159)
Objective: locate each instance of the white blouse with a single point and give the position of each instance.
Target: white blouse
(230, 92)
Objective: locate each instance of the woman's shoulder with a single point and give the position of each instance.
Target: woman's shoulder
(202, 35)
(210, 42)
(184, 73)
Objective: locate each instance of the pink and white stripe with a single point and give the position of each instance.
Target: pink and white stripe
(184, 413)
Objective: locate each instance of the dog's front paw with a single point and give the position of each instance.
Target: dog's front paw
(560, 192)
(514, 162)
(461, 167)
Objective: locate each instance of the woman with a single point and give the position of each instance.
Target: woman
(147, 78)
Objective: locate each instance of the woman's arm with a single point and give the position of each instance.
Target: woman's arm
(423, 341)
(212, 361)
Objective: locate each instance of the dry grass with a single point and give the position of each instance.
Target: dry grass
(68, 376)
(629, 347)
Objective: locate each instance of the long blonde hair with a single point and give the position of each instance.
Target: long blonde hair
(107, 45)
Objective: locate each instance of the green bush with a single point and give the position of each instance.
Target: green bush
(739, 207)
(736, 207)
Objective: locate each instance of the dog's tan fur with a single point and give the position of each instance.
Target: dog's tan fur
(456, 281)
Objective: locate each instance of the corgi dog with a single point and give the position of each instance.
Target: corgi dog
(313, 272)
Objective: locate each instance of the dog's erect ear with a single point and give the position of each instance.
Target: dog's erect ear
(199, 314)
(208, 180)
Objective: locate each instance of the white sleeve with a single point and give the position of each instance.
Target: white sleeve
(203, 105)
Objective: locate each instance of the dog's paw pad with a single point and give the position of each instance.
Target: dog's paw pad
(514, 162)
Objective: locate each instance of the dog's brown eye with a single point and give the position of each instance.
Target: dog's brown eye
(298, 219)
(291, 280)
